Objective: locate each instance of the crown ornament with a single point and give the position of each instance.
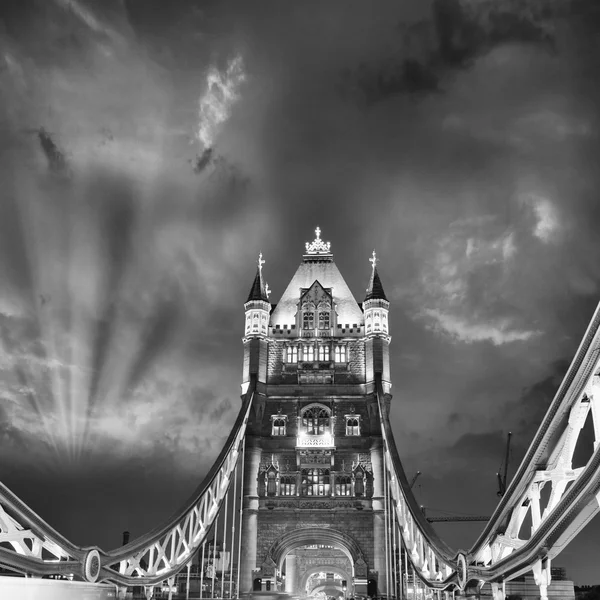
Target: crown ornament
(318, 246)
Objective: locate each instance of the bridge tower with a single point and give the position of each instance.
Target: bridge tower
(313, 511)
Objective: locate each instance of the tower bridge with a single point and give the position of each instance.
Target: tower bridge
(309, 494)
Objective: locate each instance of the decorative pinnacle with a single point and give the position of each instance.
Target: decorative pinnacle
(267, 290)
(261, 262)
(373, 260)
(318, 246)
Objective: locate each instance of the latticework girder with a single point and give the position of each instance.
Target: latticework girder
(29, 545)
(548, 502)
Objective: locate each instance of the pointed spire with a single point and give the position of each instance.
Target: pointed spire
(375, 289)
(259, 291)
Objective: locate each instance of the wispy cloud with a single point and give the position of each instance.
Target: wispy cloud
(461, 292)
(498, 331)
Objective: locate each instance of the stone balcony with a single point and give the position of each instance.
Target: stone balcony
(305, 440)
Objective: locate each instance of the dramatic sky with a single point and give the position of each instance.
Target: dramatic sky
(149, 150)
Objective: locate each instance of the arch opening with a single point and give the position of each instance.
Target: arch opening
(317, 563)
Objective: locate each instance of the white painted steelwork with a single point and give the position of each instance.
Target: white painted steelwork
(30, 546)
(558, 498)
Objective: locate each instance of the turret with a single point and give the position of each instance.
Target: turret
(257, 309)
(376, 308)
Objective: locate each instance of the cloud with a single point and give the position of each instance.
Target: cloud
(547, 223)
(498, 333)
(462, 284)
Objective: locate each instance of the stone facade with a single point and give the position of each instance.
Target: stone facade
(313, 463)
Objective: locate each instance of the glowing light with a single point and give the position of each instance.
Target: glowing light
(215, 104)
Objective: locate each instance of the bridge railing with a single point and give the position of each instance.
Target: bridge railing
(554, 494)
(556, 489)
(29, 545)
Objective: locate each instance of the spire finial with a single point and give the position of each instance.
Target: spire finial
(318, 232)
(267, 290)
(261, 262)
(373, 260)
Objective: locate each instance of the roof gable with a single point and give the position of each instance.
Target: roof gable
(326, 274)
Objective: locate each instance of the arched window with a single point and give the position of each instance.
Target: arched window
(343, 485)
(287, 485)
(352, 426)
(271, 483)
(278, 426)
(308, 319)
(315, 420)
(324, 353)
(324, 319)
(340, 354)
(315, 482)
(292, 354)
(308, 353)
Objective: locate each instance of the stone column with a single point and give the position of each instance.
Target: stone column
(378, 516)
(290, 573)
(249, 514)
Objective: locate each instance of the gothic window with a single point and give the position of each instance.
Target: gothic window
(308, 319)
(308, 353)
(287, 485)
(324, 321)
(271, 483)
(359, 483)
(324, 353)
(292, 354)
(352, 425)
(343, 485)
(315, 420)
(279, 424)
(340, 354)
(315, 482)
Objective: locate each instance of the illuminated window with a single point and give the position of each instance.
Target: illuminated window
(340, 354)
(343, 485)
(315, 420)
(308, 353)
(308, 319)
(324, 319)
(315, 482)
(279, 426)
(324, 353)
(352, 426)
(292, 354)
(287, 486)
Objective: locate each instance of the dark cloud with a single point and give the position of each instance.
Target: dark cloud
(463, 148)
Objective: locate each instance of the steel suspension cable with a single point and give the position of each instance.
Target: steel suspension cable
(241, 515)
(212, 587)
(202, 569)
(224, 552)
(386, 520)
(233, 517)
(187, 584)
(394, 527)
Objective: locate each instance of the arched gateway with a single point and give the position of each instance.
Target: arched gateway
(313, 516)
